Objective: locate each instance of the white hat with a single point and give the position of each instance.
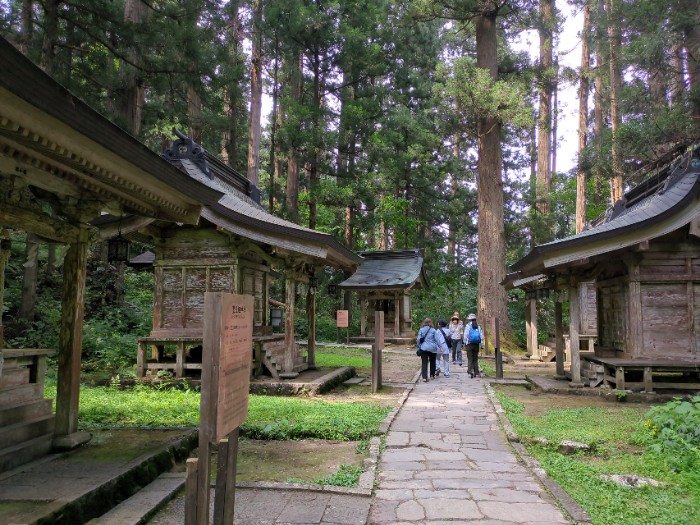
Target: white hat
(471, 317)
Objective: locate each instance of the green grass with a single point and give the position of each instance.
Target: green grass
(268, 417)
(347, 476)
(620, 438)
(360, 358)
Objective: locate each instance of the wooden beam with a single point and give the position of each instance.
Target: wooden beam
(695, 227)
(38, 222)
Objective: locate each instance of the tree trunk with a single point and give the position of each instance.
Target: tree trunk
(491, 256)
(133, 92)
(452, 222)
(29, 278)
(544, 120)
(615, 88)
(256, 85)
(48, 47)
(231, 95)
(315, 148)
(27, 26)
(582, 122)
(292, 193)
(676, 80)
(692, 48)
(555, 119)
(598, 124)
(275, 126)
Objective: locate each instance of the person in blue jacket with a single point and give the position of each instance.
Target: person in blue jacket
(428, 345)
(443, 353)
(473, 339)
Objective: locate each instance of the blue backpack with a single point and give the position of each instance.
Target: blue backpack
(474, 335)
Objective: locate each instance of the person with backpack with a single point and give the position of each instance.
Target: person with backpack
(456, 328)
(473, 339)
(443, 353)
(427, 348)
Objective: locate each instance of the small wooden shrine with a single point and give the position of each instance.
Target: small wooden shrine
(643, 257)
(61, 166)
(384, 282)
(236, 247)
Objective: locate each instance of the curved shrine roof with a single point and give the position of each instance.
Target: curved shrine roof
(401, 269)
(671, 202)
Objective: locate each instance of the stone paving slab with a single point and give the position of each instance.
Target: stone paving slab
(447, 461)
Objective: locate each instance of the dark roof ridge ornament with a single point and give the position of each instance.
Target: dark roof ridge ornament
(187, 149)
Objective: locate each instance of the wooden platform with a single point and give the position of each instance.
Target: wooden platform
(647, 374)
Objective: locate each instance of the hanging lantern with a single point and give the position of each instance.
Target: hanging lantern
(118, 249)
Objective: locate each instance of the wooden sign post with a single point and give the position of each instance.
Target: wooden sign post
(377, 348)
(497, 349)
(226, 358)
(342, 322)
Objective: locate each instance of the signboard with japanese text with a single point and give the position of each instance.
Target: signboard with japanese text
(342, 318)
(226, 361)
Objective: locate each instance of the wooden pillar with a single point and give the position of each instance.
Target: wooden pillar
(559, 336)
(633, 345)
(66, 433)
(363, 314)
(406, 314)
(311, 319)
(574, 323)
(289, 342)
(397, 315)
(528, 328)
(533, 327)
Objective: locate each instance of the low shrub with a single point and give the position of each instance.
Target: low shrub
(675, 432)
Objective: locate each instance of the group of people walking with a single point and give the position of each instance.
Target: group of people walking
(436, 344)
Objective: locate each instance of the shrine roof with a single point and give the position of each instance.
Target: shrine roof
(238, 210)
(664, 202)
(58, 143)
(388, 269)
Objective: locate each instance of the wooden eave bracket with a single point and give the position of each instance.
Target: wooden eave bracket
(695, 227)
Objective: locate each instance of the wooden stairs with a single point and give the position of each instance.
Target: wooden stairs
(26, 418)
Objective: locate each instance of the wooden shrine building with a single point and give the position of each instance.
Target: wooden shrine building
(61, 166)
(237, 247)
(643, 257)
(384, 282)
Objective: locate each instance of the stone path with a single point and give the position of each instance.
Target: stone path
(447, 462)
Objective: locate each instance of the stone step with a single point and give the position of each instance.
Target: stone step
(23, 431)
(14, 377)
(25, 411)
(22, 453)
(140, 507)
(21, 394)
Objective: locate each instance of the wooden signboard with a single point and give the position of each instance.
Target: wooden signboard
(226, 360)
(342, 318)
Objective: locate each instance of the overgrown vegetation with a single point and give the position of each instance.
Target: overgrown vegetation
(273, 418)
(624, 440)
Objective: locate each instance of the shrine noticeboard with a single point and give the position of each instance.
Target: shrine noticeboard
(342, 318)
(226, 360)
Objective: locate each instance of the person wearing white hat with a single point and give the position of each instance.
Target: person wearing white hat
(456, 328)
(473, 339)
